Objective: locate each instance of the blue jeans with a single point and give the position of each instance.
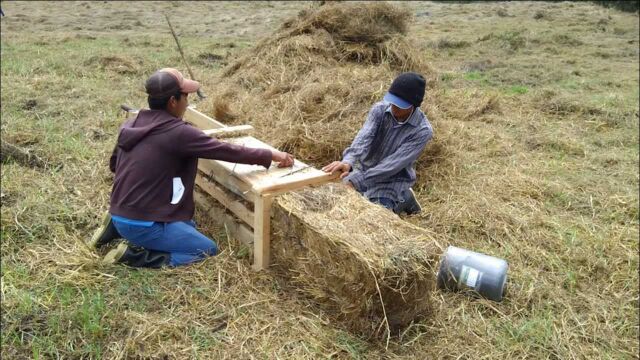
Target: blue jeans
(408, 203)
(180, 239)
(385, 202)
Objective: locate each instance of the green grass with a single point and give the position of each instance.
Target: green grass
(474, 75)
(354, 347)
(517, 90)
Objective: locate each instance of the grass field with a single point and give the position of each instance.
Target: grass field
(535, 159)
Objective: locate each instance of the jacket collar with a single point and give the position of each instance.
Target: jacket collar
(413, 119)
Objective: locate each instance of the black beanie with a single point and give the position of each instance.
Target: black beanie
(410, 87)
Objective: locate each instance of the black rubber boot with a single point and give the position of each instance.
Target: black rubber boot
(105, 234)
(409, 204)
(137, 257)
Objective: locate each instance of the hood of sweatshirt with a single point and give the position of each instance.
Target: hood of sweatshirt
(147, 122)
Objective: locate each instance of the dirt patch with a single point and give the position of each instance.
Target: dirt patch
(19, 155)
(210, 58)
(480, 65)
(29, 104)
(117, 64)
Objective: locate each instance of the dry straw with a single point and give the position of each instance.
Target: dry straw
(307, 89)
(347, 255)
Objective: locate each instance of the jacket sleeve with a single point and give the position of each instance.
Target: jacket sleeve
(195, 143)
(363, 140)
(406, 154)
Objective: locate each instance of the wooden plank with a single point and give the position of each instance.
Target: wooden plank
(259, 177)
(222, 175)
(229, 131)
(294, 183)
(238, 208)
(263, 180)
(262, 233)
(243, 233)
(273, 180)
(194, 117)
(237, 229)
(201, 120)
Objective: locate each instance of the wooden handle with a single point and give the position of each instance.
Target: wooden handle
(128, 108)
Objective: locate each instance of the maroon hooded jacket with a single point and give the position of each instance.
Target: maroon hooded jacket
(156, 151)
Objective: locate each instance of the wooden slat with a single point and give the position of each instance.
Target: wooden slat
(201, 120)
(262, 233)
(274, 180)
(194, 117)
(229, 131)
(236, 228)
(258, 177)
(226, 199)
(297, 183)
(223, 176)
(243, 233)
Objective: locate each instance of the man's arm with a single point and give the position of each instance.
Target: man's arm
(364, 138)
(406, 154)
(359, 145)
(195, 143)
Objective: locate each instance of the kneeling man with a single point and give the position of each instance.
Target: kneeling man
(380, 161)
(155, 164)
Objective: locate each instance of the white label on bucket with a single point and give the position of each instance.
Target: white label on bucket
(469, 276)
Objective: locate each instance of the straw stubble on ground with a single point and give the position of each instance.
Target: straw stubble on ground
(534, 159)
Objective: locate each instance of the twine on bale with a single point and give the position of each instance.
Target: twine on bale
(384, 311)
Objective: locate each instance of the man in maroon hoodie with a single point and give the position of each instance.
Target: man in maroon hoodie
(155, 164)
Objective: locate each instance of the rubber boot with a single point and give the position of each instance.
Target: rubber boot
(105, 234)
(409, 204)
(137, 257)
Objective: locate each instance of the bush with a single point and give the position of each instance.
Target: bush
(628, 6)
(623, 5)
(539, 15)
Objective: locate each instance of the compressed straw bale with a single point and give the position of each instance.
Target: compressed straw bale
(345, 254)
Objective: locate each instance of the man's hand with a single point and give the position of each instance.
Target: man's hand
(282, 158)
(340, 166)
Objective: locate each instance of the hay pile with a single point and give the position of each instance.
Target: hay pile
(308, 87)
(307, 90)
(346, 254)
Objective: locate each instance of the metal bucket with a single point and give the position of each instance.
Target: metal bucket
(463, 269)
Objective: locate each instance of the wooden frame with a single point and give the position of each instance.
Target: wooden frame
(226, 199)
(236, 229)
(249, 182)
(262, 232)
(226, 179)
(201, 120)
(231, 184)
(294, 184)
